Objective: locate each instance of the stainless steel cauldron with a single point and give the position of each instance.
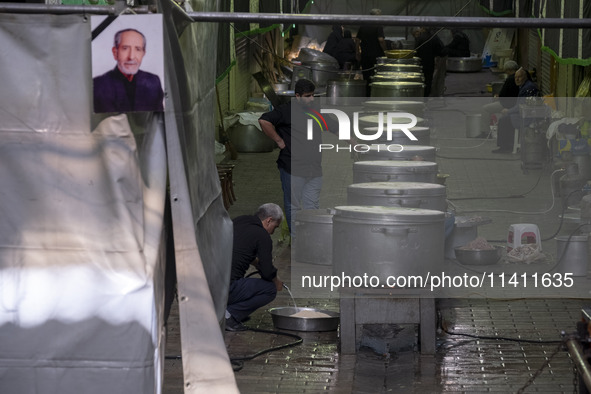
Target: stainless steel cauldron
(313, 243)
(397, 89)
(423, 135)
(396, 105)
(249, 139)
(387, 241)
(406, 60)
(340, 91)
(398, 76)
(415, 68)
(394, 152)
(394, 170)
(398, 194)
(322, 72)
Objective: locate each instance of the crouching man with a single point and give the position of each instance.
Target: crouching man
(253, 245)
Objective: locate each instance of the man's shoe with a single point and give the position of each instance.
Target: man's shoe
(501, 150)
(234, 325)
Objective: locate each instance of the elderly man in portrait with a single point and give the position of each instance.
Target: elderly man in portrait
(126, 88)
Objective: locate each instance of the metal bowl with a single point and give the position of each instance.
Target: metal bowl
(283, 319)
(479, 256)
(399, 53)
(464, 64)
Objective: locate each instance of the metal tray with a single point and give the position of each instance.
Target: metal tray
(282, 319)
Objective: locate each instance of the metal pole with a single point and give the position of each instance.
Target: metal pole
(383, 20)
(391, 20)
(582, 365)
(31, 8)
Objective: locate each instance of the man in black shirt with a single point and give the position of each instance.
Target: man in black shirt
(373, 45)
(300, 160)
(252, 245)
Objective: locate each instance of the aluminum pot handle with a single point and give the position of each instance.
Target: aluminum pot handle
(383, 178)
(394, 192)
(394, 231)
(407, 204)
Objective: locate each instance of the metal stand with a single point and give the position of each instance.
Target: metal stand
(532, 136)
(393, 306)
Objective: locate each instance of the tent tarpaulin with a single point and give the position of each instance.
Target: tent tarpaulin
(81, 237)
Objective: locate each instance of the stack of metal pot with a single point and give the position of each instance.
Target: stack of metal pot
(316, 66)
(398, 74)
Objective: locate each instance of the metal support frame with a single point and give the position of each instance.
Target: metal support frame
(316, 19)
(576, 352)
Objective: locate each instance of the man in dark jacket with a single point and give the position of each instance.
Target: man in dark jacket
(510, 119)
(126, 88)
(252, 246)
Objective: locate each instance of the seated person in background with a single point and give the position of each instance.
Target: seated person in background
(459, 46)
(346, 51)
(510, 119)
(505, 99)
(252, 245)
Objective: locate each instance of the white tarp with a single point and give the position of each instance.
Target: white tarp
(81, 225)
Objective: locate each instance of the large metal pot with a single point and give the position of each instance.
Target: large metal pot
(398, 67)
(398, 76)
(249, 139)
(414, 107)
(339, 90)
(408, 60)
(397, 89)
(398, 194)
(283, 318)
(313, 243)
(373, 120)
(394, 170)
(423, 135)
(397, 152)
(572, 254)
(464, 64)
(387, 241)
(314, 55)
(322, 72)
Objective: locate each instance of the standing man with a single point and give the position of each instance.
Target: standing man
(428, 46)
(252, 245)
(300, 160)
(373, 45)
(126, 88)
(510, 119)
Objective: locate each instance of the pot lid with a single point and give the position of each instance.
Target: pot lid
(397, 189)
(372, 165)
(391, 215)
(406, 149)
(392, 105)
(399, 75)
(345, 82)
(315, 215)
(374, 120)
(417, 130)
(397, 84)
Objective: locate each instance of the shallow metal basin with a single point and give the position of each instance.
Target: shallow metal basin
(282, 319)
(479, 256)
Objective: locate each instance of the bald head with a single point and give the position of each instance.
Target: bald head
(520, 77)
